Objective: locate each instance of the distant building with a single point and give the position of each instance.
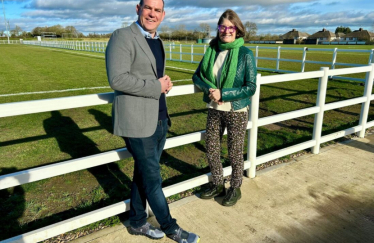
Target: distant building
(340, 36)
(324, 35)
(359, 35)
(295, 35)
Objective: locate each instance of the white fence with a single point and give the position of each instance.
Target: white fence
(72, 45)
(44, 172)
(199, 50)
(10, 42)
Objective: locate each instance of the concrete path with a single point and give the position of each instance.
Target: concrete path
(315, 198)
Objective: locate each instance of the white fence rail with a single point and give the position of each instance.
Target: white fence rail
(44, 172)
(199, 50)
(10, 42)
(90, 46)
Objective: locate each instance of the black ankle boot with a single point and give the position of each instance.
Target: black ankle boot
(232, 197)
(213, 191)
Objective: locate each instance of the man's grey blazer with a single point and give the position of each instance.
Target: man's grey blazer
(132, 73)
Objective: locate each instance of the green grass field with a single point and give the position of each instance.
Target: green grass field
(29, 141)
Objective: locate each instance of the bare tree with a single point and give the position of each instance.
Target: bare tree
(205, 29)
(71, 30)
(165, 32)
(17, 31)
(251, 30)
(181, 28)
(165, 29)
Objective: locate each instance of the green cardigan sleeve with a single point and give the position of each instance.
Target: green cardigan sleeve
(245, 80)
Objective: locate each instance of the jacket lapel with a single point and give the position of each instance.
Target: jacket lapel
(144, 46)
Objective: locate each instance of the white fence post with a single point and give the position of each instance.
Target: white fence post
(253, 132)
(334, 58)
(371, 57)
(303, 60)
(170, 51)
(256, 56)
(180, 50)
(204, 49)
(366, 106)
(318, 118)
(278, 57)
(191, 53)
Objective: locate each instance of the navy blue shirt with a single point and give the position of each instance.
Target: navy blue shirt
(156, 47)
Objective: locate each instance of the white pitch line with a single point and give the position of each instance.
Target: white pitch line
(68, 90)
(83, 54)
(53, 91)
(181, 68)
(75, 52)
(182, 80)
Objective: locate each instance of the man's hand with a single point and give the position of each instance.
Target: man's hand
(170, 84)
(215, 95)
(165, 84)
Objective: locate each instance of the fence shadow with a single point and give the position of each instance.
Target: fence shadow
(103, 119)
(71, 140)
(12, 206)
(366, 146)
(340, 219)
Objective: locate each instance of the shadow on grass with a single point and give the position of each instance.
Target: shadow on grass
(114, 183)
(71, 140)
(41, 137)
(194, 111)
(104, 120)
(12, 206)
(184, 170)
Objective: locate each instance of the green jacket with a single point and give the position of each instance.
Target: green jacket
(244, 84)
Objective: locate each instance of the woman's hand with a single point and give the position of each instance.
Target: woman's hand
(215, 95)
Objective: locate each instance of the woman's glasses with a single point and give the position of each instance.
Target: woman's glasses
(222, 28)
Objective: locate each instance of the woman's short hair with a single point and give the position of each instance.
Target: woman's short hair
(233, 18)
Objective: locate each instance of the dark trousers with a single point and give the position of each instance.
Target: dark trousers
(146, 184)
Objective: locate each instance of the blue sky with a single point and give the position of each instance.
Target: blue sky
(271, 16)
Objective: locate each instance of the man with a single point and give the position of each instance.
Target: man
(135, 62)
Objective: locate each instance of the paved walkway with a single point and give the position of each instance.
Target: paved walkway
(315, 198)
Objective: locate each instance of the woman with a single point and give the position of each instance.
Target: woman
(227, 76)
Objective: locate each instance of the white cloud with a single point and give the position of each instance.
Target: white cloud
(271, 16)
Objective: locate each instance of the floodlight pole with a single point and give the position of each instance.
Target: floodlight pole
(6, 26)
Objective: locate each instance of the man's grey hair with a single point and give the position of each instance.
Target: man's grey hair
(142, 2)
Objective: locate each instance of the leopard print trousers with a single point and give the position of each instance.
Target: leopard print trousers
(236, 124)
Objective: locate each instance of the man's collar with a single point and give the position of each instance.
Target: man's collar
(145, 33)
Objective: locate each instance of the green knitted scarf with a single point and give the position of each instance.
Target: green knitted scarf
(229, 67)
